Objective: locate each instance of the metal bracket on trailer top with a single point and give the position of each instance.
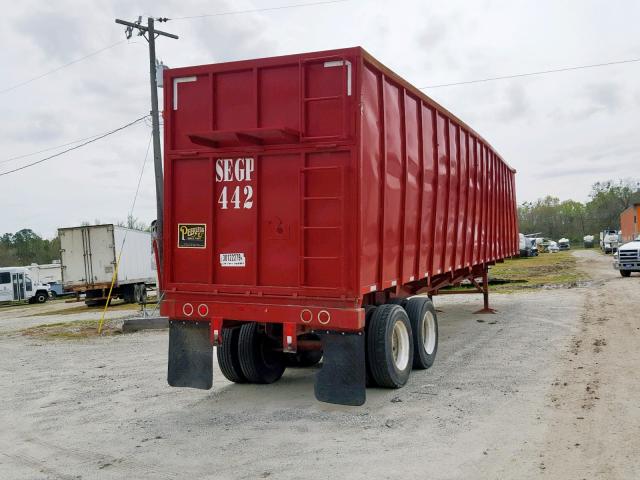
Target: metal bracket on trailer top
(342, 378)
(190, 355)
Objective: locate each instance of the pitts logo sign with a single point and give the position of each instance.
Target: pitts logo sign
(192, 235)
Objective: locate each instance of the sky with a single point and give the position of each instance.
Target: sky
(561, 132)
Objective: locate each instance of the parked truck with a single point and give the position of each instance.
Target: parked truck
(609, 240)
(527, 246)
(49, 274)
(627, 258)
(564, 244)
(309, 201)
(587, 241)
(89, 255)
(17, 285)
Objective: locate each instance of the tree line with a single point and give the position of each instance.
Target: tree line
(573, 220)
(25, 246)
(549, 216)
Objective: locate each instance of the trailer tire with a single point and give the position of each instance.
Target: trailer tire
(368, 313)
(260, 360)
(390, 346)
(129, 293)
(424, 326)
(140, 293)
(625, 273)
(228, 356)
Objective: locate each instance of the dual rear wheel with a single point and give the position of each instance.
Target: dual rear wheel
(249, 355)
(401, 335)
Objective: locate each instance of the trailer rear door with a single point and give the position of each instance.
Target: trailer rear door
(87, 255)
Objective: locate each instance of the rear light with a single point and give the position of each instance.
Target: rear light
(187, 309)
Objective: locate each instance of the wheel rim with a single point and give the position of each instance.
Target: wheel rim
(429, 332)
(400, 345)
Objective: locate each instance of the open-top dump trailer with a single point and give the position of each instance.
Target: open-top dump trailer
(309, 199)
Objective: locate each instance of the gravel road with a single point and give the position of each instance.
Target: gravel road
(546, 388)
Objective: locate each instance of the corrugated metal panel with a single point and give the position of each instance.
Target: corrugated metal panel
(358, 182)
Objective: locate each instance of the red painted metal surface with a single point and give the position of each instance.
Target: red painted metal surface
(308, 182)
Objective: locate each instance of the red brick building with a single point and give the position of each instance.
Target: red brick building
(629, 223)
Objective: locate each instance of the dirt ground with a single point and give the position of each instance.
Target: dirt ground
(546, 388)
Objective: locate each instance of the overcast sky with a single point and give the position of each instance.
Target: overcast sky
(561, 132)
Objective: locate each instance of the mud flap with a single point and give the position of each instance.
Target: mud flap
(190, 355)
(342, 378)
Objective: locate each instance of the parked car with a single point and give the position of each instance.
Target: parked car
(553, 247)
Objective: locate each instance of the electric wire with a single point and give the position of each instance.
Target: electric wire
(65, 65)
(529, 74)
(111, 132)
(48, 149)
(256, 10)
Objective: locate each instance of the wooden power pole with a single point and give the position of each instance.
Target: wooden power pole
(150, 33)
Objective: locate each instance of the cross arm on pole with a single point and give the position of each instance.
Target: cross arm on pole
(145, 29)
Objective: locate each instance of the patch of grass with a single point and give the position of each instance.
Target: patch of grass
(545, 270)
(72, 330)
(82, 308)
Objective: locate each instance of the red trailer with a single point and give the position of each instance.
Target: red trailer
(308, 200)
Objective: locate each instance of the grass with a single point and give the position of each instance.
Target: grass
(77, 330)
(545, 270)
(82, 308)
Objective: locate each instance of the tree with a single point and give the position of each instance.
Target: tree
(133, 223)
(571, 219)
(26, 247)
(609, 199)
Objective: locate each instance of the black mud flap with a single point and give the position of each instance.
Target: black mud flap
(342, 378)
(190, 355)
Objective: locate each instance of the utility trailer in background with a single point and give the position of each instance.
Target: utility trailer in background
(309, 200)
(89, 254)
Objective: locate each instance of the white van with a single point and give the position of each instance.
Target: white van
(16, 285)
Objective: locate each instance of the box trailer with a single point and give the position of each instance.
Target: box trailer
(309, 200)
(89, 255)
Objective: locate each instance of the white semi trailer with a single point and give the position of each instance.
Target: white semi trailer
(89, 255)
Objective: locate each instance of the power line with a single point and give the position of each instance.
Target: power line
(239, 12)
(10, 159)
(111, 132)
(529, 74)
(96, 52)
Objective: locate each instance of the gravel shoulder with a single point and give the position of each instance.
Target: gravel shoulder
(592, 429)
(493, 406)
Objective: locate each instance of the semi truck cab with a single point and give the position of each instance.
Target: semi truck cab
(16, 285)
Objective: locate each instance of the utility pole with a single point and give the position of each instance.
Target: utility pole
(150, 33)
